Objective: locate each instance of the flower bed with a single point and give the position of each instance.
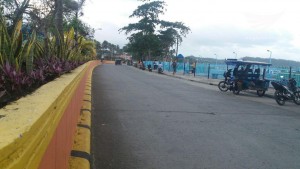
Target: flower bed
(29, 125)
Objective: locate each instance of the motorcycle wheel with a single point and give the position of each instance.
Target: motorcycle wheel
(223, 86)
(297, 98)
(279, 97)
(260, 93)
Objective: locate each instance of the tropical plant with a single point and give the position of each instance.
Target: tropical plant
(14, 12)
(70, 51)
(13, 49)
(150, 35)
(98, 46)
(29, 59)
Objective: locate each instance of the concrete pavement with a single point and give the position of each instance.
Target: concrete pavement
(143, 120)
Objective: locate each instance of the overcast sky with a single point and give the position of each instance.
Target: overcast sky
(219, 27)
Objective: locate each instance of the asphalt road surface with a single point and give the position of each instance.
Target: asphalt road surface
(144, 120)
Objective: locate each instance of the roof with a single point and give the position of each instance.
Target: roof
(180, 56)
(241, 62)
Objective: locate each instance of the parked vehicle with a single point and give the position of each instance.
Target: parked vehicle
(118, 62)
(160, 68)
(149, 68)
(249, 75)
(141, 65)
(286, 91)
(228, 82)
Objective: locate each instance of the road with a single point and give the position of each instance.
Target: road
(143, 120)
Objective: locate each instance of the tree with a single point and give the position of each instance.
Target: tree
(73, 8)
(14, 11)
(41, 17)
(98, 49)
(80, 28)
(150, 35)
(109, 50)
(168, 39)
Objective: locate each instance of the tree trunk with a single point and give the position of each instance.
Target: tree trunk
(46, 42)
(76, 28)
(18, 14)
(149, 55)
(59, 25)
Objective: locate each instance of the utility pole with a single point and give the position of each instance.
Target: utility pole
(177, 46)
(270, 61)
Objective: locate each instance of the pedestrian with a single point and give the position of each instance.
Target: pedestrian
(155, 65)
(174, 65)
(194, 67)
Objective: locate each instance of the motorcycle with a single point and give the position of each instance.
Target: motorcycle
(227, 83)
(149, 68)
(160, 69)
(286, 91)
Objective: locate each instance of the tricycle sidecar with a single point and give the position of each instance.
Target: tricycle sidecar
(249, 75)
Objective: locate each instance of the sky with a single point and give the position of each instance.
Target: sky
(219, 28)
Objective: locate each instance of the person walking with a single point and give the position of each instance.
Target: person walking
(174, 65)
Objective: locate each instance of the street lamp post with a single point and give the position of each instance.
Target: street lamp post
(235, 54)
(200, 58)
(270, 61)
(216, 59)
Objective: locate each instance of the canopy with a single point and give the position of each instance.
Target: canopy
(240, 62)
(180, 56)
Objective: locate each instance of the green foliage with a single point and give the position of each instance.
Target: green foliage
(150, 35)
(12, 48)
(98, 47)
(109, 50)
(82, 28)
(30, 59)
(18, 52)
(82, 51)
(14, 11)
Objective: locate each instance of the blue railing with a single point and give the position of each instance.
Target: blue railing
(216, 71)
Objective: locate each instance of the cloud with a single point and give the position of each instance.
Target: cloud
(218, 36)
(110, 32)
(224, 40)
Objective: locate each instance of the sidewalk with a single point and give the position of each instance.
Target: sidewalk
(201, 79)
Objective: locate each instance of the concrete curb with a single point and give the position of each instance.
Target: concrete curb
(81, 151)
(35, 129)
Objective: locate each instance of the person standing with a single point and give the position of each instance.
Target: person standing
(194, 68)
(174, 65)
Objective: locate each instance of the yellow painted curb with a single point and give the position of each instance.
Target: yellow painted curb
(80, 155)
(28, 125)
(79, 163)
(82, 140)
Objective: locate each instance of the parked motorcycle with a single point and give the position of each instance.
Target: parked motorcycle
(286, 91)
(227, 83)
(149, 68)
(160, 70)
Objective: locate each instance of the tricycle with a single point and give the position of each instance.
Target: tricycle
(248, 75)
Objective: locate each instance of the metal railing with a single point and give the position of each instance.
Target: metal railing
(215, 71)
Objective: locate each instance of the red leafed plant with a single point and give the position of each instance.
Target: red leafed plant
(23, 67)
